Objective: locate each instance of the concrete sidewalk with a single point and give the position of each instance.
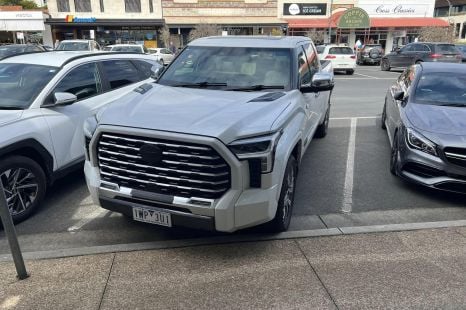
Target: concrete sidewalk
(423, 269)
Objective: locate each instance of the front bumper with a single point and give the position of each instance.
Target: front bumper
(370, 60)
(431, 171)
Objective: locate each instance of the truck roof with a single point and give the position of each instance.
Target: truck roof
(250, 41)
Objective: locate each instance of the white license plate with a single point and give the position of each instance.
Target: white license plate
(152, 216)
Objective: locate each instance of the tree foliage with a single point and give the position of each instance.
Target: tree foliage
(26, 4)
(204, 30)
(164, 33)
(437, 34)
(317, 36)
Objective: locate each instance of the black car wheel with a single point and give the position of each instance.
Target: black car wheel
(385, 65)
(384, 116)
(24, 182)
(394, 156)
(282, 219)
(349, 72)
(322, 129)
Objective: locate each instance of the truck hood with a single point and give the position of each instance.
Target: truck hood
(226, 115)
(438, 119)
(8, 116)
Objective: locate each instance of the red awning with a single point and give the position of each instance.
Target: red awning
(375, 22)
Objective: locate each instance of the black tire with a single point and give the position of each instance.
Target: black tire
(394, 156)
(418, 62)
(384, 116)
(385, 65)
(16, 171)
(349, 72)
(322, 129)
(282, 219)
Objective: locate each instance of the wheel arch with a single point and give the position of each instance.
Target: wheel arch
(32, 149)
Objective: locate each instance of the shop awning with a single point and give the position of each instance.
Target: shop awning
(379, 22)
(106, 22)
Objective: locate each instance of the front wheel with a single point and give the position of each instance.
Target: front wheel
(385, 65)
(24, 183)
(394, 156)
(322, 129)
(282, 219)
(384, 116)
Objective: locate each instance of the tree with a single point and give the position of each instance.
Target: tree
(437, 34)
(317, 36)
(276, 32)
(204, 30)
(26, 4)
(164, 33)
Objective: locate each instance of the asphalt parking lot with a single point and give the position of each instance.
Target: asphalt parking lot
(344, 181)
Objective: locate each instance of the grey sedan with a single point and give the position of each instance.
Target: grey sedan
(425, 118)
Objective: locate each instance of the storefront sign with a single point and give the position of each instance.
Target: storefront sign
(397, 8)
(354, 18)
(73, 19)
(304, 9)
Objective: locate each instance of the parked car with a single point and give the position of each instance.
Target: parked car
(216, 142)
(462, 49)
(370, 54)
(414, 53)
(78, 45)
(163, 55)
(424, 114)
(127, 48)
(341, 57)
(16, 49)
(45, 99)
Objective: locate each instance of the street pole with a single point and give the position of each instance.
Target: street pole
(330, 22)
(10, 233)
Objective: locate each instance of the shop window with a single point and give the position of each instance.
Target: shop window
(120, 73)
(133, 6)
(82, 5)
(102, 8)
(63, 5)
(151, 6)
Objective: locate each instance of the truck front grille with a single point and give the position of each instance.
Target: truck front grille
(162, 166)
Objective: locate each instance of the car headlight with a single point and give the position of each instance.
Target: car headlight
(262, 148)
(90, 126)
(419, 142)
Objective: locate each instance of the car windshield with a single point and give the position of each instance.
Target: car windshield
(341, 51)
(230, 67)
(441, 89)
(21, 83)
(73, 46)
(6, 51)
(107, 48)
(129, 49)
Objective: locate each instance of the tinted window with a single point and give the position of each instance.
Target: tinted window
(408, 48)
(8, 50)
(21, 83)
(312, 60)
(320, 49)
(442, 88)
(73, 46)
(303, 68)
(341, 51)
(120, 73)
(84, 82)
(145, 67)
(462, 48)
(446, 49)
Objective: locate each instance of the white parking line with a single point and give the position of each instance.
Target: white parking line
(349, 175)
(87, 219)
(369, 76)
(352, 117)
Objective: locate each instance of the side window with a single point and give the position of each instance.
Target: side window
(120, 73)
(425, 48)
(408, 48)
(303, 68)
(83, 81)
(145, 67)
(312, 60)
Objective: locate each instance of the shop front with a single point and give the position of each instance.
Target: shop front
(23, 27)
(107, 31)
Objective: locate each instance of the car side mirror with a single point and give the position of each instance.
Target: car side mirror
(399, 95)
(320, 82)
(62, 99)
(156, 71)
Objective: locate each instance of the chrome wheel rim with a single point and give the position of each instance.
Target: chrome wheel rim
(21, 189)
(288, 198)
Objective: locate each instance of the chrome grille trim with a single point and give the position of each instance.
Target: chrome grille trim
(182, 169)
(456, 156)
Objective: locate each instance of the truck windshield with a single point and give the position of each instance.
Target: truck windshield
(21, 83)
(230, 67)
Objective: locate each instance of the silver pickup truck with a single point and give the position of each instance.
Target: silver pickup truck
(215, 142)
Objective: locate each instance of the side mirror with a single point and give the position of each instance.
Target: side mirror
(156, 71)
(64, 99)
(399, 95)
(320, 82)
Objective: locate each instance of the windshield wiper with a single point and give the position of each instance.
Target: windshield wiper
(11, 108)
(256, 87)
(200, 84)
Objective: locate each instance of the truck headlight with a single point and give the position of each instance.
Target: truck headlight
(262, 147)
(419, 142)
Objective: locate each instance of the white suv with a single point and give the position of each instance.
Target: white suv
(45, 99)
(342, 57)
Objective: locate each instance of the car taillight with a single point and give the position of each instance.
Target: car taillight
(353, 57)
(435, 55)
(330, 57)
